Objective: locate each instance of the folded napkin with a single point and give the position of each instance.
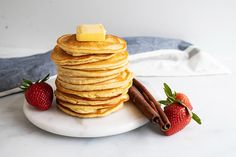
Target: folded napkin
(173, 62)
(13, 70)
(161, 56)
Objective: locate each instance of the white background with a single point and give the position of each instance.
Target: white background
(36, 24)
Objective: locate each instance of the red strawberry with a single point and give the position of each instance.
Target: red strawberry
(178, 109)
(178, 117)
(38, 94)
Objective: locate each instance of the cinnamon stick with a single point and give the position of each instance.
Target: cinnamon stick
(148, 105)
(137, 98)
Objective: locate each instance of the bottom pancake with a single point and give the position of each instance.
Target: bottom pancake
(90, 115)
(73, 99)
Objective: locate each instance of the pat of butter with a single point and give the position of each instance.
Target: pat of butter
(91, 32)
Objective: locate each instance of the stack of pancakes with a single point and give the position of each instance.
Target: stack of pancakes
(93, 79)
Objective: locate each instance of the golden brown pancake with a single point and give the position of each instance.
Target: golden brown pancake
(116, 61)
(121, 80)
(96, 93)
(70, 45)
(90, 115)
(85, 108)
(60, 57)
(91, 73)
(85, 80)
(73, 99)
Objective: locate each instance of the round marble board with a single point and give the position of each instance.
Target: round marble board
(57, 122)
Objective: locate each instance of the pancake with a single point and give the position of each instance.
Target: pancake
(85, 80)
(70, 45)
(73, 99)
(85, 108)
(96, 93)
(90, 115)
(121, 80)
(116, 61)
(62, 58)
(86, 73)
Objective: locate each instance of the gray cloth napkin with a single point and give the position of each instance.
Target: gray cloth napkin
(13, 70)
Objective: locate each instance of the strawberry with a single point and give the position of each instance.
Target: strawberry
(38, 94)
(178, 109)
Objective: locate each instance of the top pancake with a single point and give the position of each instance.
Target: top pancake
(60, 57)
(70, 45)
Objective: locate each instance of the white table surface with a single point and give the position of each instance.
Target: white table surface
(211, 96)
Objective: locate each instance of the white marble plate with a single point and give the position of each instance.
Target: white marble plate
(57, 122)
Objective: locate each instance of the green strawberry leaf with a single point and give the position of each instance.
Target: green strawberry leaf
(25, 84)
(169, 94)
(164, 102)
(196, 118)
(167, 90)
(27, 81)
(23, 88)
